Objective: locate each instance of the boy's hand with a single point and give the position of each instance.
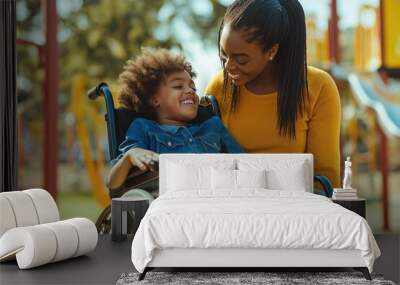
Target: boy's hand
(143, 158)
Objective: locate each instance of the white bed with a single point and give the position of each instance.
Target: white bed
(201, 219)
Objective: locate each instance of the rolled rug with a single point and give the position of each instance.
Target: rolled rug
(22, 207)
(45, 206)
(26, 208)
(40, 244)
(7, 220)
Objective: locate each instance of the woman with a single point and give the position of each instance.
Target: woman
(270, 101)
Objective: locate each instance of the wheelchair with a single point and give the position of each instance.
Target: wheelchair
(145, 183)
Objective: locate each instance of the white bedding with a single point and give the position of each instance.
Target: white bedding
(251, 218)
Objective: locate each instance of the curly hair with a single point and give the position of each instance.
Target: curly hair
(143, 75)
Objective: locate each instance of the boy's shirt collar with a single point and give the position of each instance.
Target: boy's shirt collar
(170, 128)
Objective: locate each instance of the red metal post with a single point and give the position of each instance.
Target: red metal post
(333, 28)
(50, 142)
(385, 178)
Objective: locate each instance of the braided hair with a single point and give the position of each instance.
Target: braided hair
(271, 22)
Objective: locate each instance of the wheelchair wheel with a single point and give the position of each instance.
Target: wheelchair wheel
(139, 193)
(103, 223)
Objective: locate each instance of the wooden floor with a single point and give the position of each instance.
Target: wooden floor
(102, 266)
(111, 259)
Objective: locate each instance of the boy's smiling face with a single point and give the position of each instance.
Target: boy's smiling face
(176, 101)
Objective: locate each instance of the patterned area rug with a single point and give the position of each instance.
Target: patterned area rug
(230, 278)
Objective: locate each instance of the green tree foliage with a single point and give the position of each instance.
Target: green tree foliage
(97, 36)
(104, 34)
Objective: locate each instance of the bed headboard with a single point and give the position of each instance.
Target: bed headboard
(210, 159)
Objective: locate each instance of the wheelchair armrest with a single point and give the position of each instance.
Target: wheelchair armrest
(326, 184)
(135, 179)
(139, 177)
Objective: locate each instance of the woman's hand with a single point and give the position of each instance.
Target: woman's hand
(143, 158)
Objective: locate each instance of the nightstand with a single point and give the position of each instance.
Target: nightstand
(356, 205)
(119, 215)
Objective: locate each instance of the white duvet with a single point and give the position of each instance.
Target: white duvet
(252, 218)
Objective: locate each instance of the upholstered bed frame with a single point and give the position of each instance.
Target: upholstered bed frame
(250, 258)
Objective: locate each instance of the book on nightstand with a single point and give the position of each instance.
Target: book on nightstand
(344, 194)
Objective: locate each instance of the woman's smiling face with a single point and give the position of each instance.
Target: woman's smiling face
(176, 101)
(243, 60)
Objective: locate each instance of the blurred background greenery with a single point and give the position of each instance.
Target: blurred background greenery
(96, 37)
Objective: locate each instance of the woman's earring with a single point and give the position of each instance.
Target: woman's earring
(271, 58)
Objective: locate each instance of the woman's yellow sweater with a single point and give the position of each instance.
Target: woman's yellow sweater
(254, 123)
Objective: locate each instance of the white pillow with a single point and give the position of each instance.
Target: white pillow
(237, 179)
(189, 176)
(291, 175)
(223, 179)
(251, 178)
(292, 179)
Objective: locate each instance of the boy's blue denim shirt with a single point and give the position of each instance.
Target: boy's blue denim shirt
(207, 137)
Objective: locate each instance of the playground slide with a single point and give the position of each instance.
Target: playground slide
(387, 112)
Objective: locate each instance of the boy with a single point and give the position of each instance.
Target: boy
(159, 86)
